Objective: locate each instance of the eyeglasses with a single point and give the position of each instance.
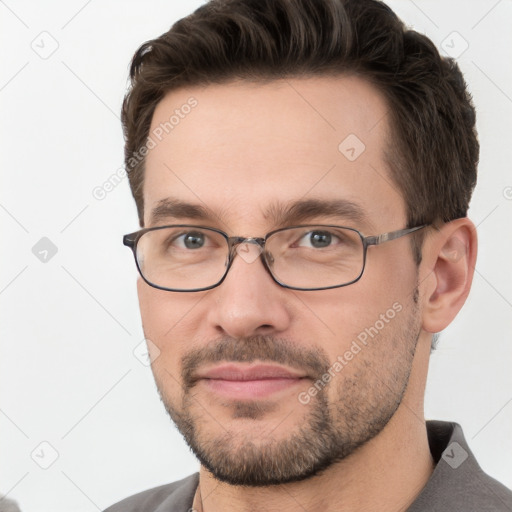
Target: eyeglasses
(188, 258)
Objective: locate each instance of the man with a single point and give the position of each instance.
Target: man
(302, 172)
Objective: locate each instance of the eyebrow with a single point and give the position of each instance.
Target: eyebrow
(169, 208)
(308, 209)
(280, 214)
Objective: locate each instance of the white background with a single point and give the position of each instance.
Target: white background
(69, 326)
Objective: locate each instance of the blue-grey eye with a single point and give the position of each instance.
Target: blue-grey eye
(193, 240)
(316, 239)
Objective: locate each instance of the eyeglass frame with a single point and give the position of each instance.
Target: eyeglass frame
(130, 240)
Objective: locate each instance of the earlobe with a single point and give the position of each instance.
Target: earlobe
(451, 256)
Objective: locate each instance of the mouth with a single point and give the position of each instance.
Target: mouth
(241, 382)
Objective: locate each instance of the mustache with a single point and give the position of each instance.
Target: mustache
(313, 362)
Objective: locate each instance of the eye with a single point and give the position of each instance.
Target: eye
(190, 240)
(318, 239)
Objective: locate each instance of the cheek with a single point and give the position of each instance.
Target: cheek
(160, 314)
(371, 332)
(163, 319)
(152, 310)
(160, 310)
(391, 276)
(374, 302)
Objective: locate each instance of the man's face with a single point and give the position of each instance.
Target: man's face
(324, 370)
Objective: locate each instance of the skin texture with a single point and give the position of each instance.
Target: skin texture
(244, 147)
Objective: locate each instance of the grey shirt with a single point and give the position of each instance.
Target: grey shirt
(457, 484)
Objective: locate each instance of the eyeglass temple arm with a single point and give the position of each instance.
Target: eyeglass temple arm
(392, 235)
(129, 240)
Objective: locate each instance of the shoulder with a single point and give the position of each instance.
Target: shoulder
(458, 483)
(175, 496)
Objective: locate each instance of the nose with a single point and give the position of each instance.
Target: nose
(249, 302)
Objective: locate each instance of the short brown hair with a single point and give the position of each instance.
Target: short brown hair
(433, 151)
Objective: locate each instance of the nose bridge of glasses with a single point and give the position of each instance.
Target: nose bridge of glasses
(248, 248)
(236, 241)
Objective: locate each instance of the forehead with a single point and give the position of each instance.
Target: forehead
(241, 146)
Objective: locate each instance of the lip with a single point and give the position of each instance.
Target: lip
(238, 372)
(249, 381)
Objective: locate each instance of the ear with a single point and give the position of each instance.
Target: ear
(449, 258)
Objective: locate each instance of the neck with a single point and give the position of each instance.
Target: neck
(385, 474)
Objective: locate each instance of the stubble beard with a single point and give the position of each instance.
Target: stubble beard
(327, 431)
